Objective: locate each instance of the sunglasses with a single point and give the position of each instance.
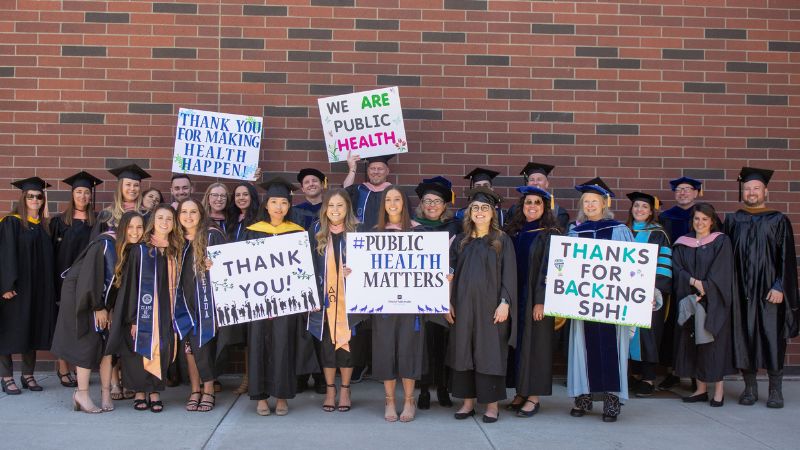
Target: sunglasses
(34, 196)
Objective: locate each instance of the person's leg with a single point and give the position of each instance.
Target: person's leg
(702, 388)
(390, 413)
(243, 387)
(81, 398)
(329, 404)
(719, 391)
(749, 395)
(28, 368)
(194, 380)
(409, 407)
(7, 374)
(65, 375)
(775, 399)
(344, 390)
(462, 385)
(105, 383)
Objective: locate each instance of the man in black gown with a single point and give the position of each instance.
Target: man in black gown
(766, 269)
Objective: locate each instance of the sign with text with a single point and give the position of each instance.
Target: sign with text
(263, 278)
(367, 123)
(217, 144)
(398, 273)
(601, 281)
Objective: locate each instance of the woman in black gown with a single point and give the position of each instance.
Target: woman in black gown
(87, 298)
(703, 267)
(27, 306)
(127, 197)
(530, 228)
(141, 328)
(70, 232)
(215, 202)
(483, 294)
(194, 304)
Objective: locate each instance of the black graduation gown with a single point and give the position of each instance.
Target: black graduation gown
(205, 356)
(279, 349)
(535, 348)
(713, 265)
(68, 242)
(85, 291)
(482, 277)
(305, 214)
(120, 342)
(764, 258)
(366, 204)
(676, 222)
(27, 321)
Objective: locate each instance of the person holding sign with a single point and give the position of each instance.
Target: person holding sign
(87, 298)
(484, 291)
(397, 339)
(27, 306)
(331, 325)
(432, 213)
(277, 349)
(141, 330)
(366, 196)
(768, 300)
(598, 352)
(530, 228)
(480, 177)
(646, 342)
(704, 285)
(126, 198)
(194, 304)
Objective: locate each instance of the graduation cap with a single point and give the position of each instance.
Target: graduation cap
(480, 174)
(31, 184)
(753, 173)
(597, 186)
(534, 167)
(131, 172)
(383, 158)
(655, 204)
(533, 190)
(311, 171)
(696, 184)
(278, 187)
(484, 195)
(438, 185)
(83, 179)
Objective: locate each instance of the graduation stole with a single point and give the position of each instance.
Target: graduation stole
(335, 306)
(268, 228)
(183, 320)
(148, 337)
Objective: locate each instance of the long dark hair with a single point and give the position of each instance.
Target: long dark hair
(469, 229)
(518, 220)
(709, 211)
(383, 216)
(200, 242)
(69, 211)
(653, 219)
(121, 245)
(23, 213)
(232, 211)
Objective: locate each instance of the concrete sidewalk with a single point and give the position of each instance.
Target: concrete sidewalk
(44, 420)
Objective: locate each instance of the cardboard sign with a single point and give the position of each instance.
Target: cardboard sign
(367, 123)
(217, 144)
(601, 281)
(263, 278)
(398, 273)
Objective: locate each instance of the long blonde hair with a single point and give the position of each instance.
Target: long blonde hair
(494, 230)
(200, 242)
(206, 204)
(175, 237)
(350, 221)
(117, 209)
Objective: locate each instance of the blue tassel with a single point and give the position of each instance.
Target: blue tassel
(416, 324)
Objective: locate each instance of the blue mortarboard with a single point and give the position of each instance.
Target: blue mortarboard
(438, 185)
(696, 184)
(596, 186)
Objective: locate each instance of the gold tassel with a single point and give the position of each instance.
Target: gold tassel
(608, 201)
(452, 197)
(552, 202)
(658, 204)
(325, 183)
(701, 191)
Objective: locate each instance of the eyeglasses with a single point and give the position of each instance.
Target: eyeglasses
(220, 196)
(481, 208)
(35, 197)
(536, 202)
(684, 190)
(434, 202)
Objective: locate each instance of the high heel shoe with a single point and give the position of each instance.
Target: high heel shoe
(10, 387)
(344, 408)
(106, 406)
(77, 406)
(70, 383)
(29, 383)
(391, 415)
(330, 408)
(409, 417)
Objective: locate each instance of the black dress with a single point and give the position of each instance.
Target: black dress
(28, 320)
(136, 378)
(86, 289)
(478, 348)
(278, 349)
(712, 264)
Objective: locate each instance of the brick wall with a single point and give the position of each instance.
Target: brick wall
(637, 91)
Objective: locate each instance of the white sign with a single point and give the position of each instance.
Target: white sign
(217, 144)
(601, 281)
(398, 273)
(263, 278)
(367, 123)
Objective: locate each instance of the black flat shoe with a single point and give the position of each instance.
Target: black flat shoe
(30, 384)
(444, 398)
(462, 416)
(716, 404)
(696, 398)
(489, 419)
(644, 390)
(10, 387)
(609, 419)
(424, 400)
(522, 413)
(669, 382)
(515, 406)
(577, 412)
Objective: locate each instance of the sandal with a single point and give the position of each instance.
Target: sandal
(77, 406)
(193, 402)
(70, 383)
(408, 418)
(116, 392)
(243, 388)
(390, 417)
(206, 405)
(107, 406)
(10, 387)
(128, 394)
(217, 386)
(327, 407)
(344, 408)
(156, 406)
(28, 382)
(141, 404)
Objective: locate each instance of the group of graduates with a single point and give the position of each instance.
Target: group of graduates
(126, 291)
